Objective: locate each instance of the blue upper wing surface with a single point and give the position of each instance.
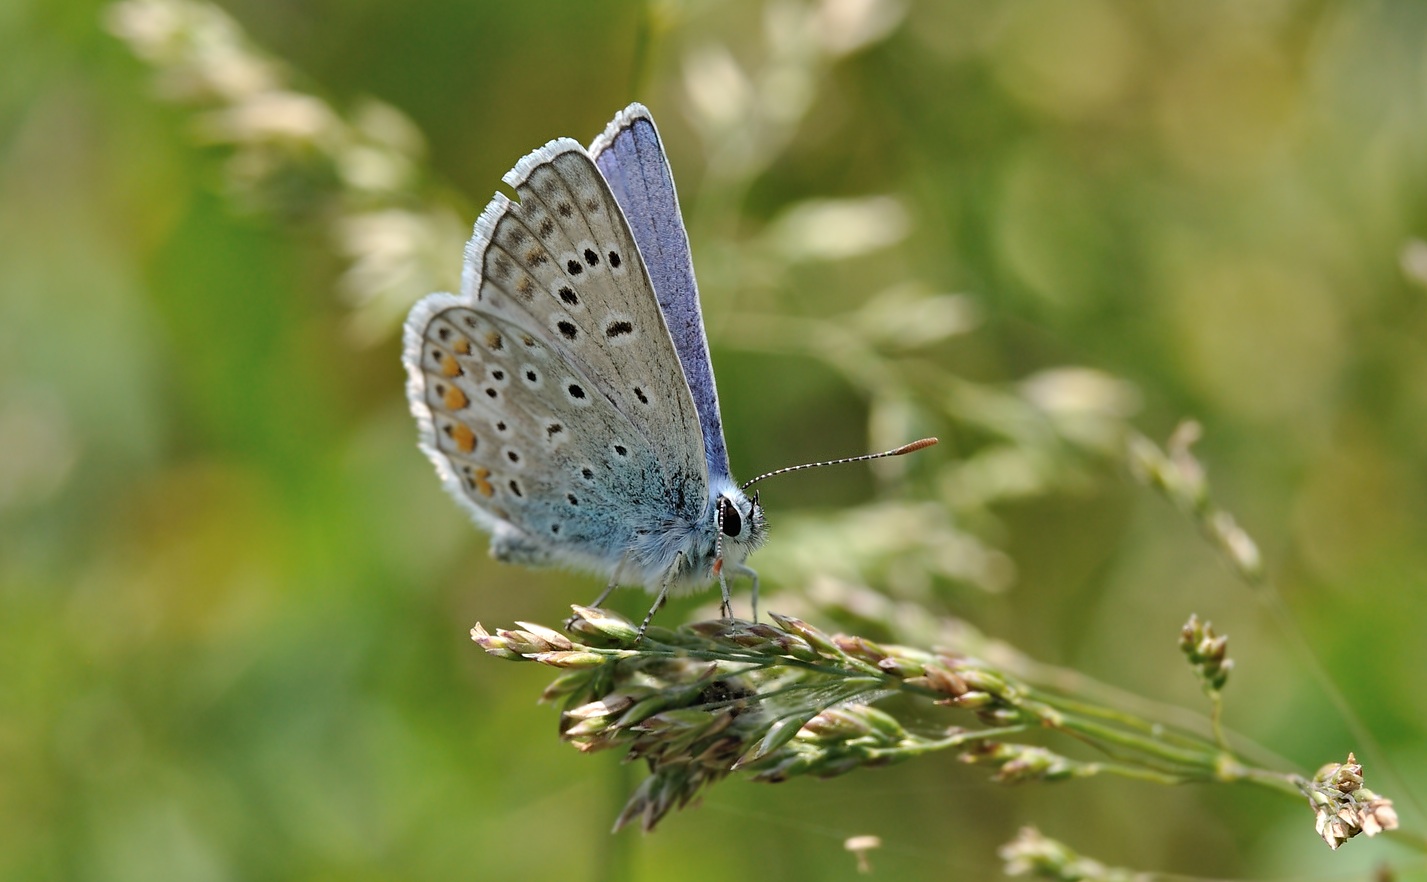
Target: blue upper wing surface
(631, 158)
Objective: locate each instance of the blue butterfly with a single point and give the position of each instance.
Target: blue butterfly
(566, 395)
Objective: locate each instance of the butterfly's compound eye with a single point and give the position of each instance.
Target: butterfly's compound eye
(732, 521)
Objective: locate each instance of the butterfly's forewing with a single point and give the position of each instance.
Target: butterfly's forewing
(564, 259)
(557, 325)
(631, 158)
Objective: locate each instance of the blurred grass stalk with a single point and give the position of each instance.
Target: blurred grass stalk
(1032, 852)
(292, 155)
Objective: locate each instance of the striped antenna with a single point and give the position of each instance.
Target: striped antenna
(900, 451)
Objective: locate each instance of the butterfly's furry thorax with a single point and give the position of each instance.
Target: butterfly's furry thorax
(684, 552)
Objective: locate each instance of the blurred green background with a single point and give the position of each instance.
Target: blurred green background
(234, 602)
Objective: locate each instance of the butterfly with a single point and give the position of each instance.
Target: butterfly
(566, 396)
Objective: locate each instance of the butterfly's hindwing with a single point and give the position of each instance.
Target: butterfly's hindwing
(506, 433)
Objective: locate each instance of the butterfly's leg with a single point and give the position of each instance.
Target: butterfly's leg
(726, 607)
(613, 583)
(752, 575)
(604, 595)
(663, 594)
(608, 590)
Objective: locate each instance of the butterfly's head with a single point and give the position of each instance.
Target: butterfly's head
(740, 523)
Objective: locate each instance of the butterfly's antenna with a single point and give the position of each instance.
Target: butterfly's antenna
(904, 449)
(718, 539)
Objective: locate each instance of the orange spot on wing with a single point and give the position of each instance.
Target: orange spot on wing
(462, 347)
(455, 399)
(463, 436)
(483, 485)
(449, 366)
